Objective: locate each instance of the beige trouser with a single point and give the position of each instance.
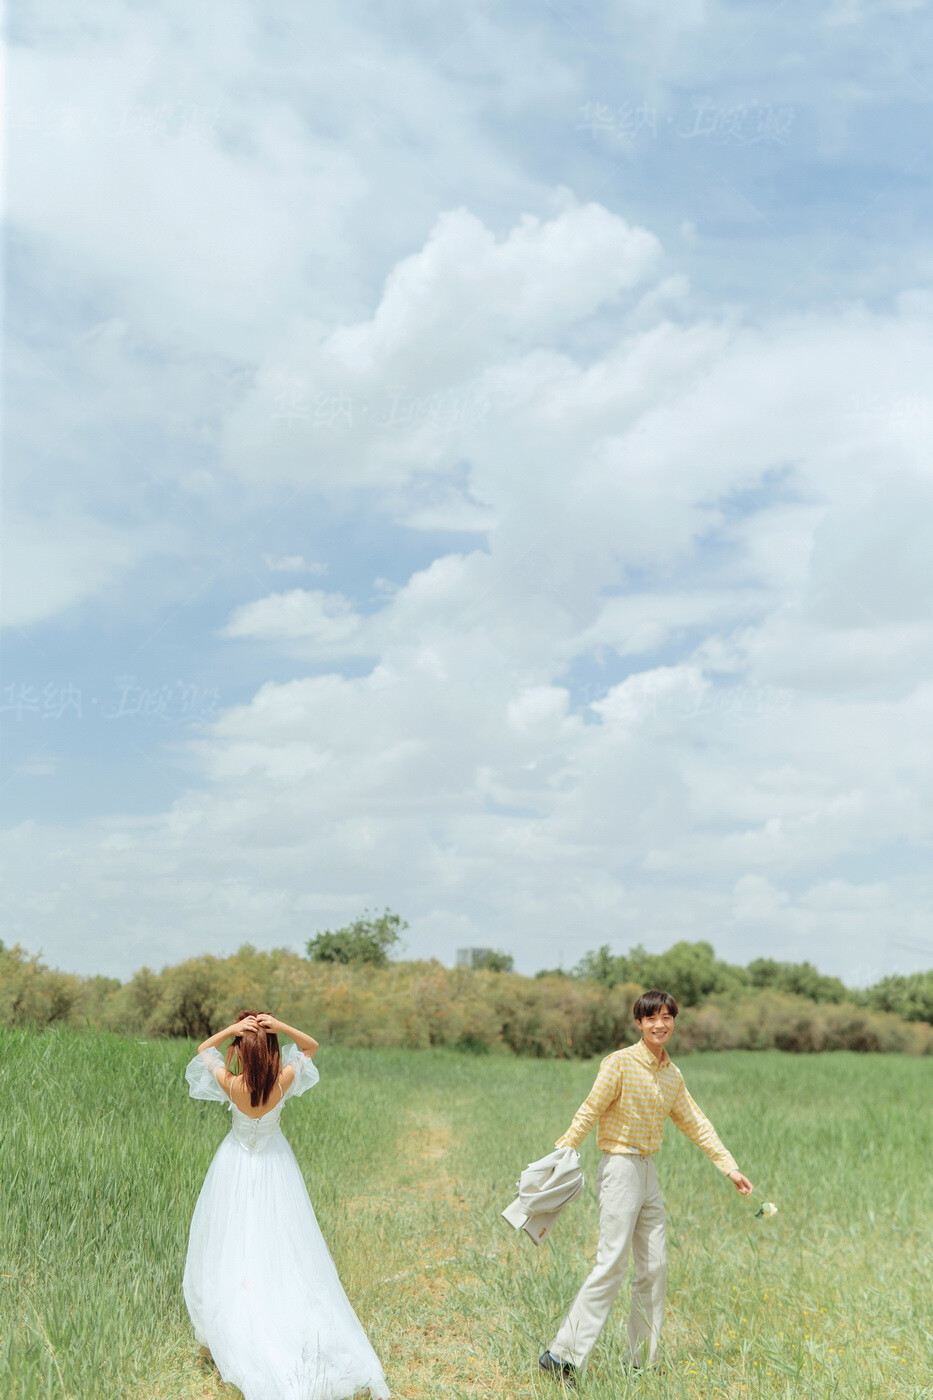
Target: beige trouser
(631, 1216)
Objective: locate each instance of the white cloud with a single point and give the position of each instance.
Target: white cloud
(326, 619)
(380, 401)
(467, 293)
(51, 563)
(292, 564)
(38, 765)
(241, 170)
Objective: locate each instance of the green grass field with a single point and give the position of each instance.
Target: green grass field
(409, 1156)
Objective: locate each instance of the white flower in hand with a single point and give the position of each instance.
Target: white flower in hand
(766, 1208)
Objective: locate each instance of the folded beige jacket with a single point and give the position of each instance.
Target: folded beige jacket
(544, 1188)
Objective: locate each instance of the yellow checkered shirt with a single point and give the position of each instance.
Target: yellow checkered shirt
(631, 1100)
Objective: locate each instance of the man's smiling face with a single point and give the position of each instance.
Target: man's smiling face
(656, 1029)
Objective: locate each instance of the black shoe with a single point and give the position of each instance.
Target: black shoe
(563, 1371)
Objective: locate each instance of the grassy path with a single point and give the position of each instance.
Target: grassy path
(409, 1157)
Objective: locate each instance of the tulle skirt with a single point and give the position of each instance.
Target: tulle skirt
(261, 1287)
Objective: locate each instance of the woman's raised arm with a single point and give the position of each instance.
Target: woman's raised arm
(248, 1023)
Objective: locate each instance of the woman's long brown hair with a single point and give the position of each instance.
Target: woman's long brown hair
(257, 1056)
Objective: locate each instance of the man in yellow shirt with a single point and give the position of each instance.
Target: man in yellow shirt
(636, 1091)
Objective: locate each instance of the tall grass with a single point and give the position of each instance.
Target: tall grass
(409, 1157)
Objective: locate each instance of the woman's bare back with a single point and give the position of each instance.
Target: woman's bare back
(234, 1086)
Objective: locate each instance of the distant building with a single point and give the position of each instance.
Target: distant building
(472, 957)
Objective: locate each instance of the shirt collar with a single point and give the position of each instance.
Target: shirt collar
(645, 1055)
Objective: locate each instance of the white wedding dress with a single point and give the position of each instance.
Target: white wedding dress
(261, 1288)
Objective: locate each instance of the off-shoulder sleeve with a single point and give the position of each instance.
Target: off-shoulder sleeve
(201, 1075)
(306, 1075)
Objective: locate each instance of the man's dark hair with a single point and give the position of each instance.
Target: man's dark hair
(650, 1003)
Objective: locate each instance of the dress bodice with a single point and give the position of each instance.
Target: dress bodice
(253, 1133)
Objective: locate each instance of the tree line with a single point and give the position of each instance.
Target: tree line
(698, 975)
(691, 971)
(349, 989)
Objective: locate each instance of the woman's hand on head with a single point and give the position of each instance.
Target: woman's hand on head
(269, 1023)
(248, 1023)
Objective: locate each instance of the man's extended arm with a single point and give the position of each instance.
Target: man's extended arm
(692, 1121)
(607, 1087)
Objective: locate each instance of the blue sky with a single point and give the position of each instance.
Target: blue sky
(471, 461)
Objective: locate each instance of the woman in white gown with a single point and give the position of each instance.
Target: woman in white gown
(260, 1284)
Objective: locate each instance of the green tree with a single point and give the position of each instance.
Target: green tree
(142, 994)
(910, 997)
(32, 994)
(691, 972)
(800, 979)
(366, 940)
(193, 998)
(492, 961)
(605, 967)
(99, 994)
